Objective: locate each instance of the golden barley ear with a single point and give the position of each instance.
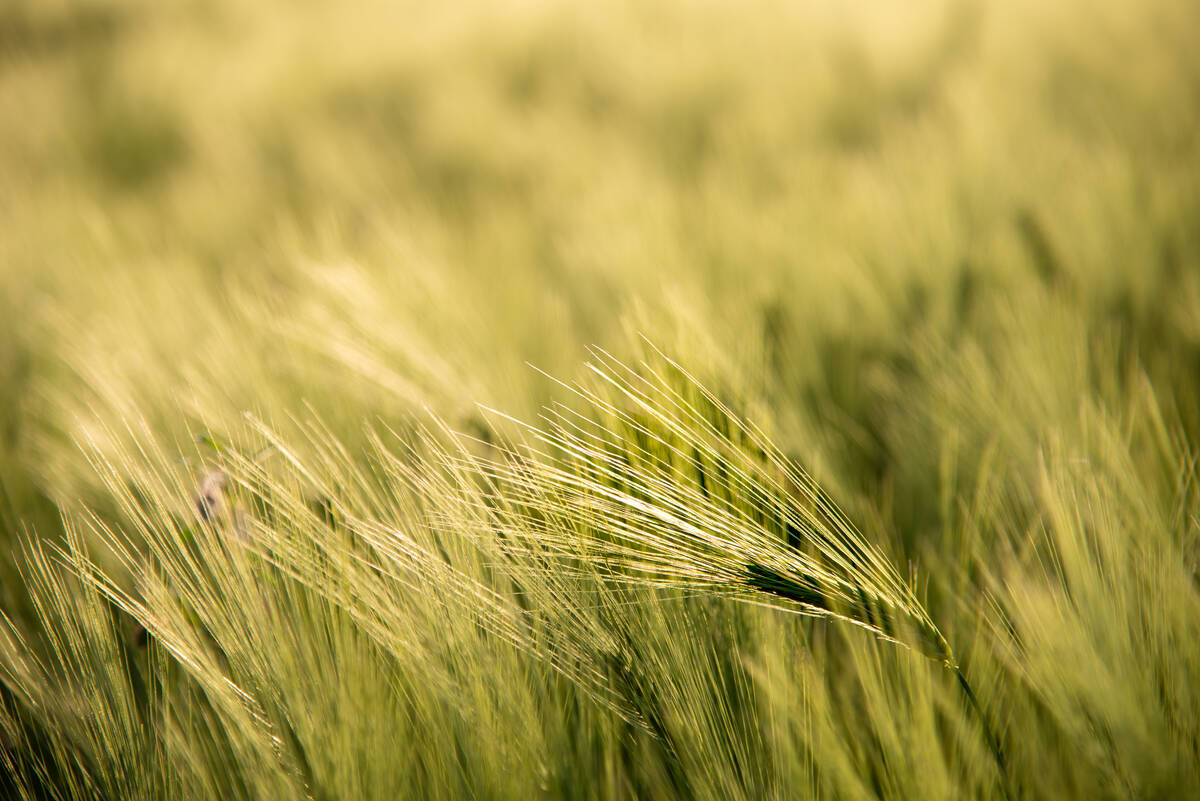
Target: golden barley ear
(652, 479)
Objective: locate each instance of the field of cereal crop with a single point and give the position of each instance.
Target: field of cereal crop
(624, 400)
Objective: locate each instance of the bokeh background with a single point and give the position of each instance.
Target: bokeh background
(375, 205)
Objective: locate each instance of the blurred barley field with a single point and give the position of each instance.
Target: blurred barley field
(626, 400)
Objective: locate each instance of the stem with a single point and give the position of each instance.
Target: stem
(989, 732)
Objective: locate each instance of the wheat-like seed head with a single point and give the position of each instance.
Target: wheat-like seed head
(654, 481)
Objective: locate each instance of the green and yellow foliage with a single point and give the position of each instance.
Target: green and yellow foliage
(635, 400)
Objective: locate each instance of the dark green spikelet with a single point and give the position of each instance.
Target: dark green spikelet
(764, 579)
